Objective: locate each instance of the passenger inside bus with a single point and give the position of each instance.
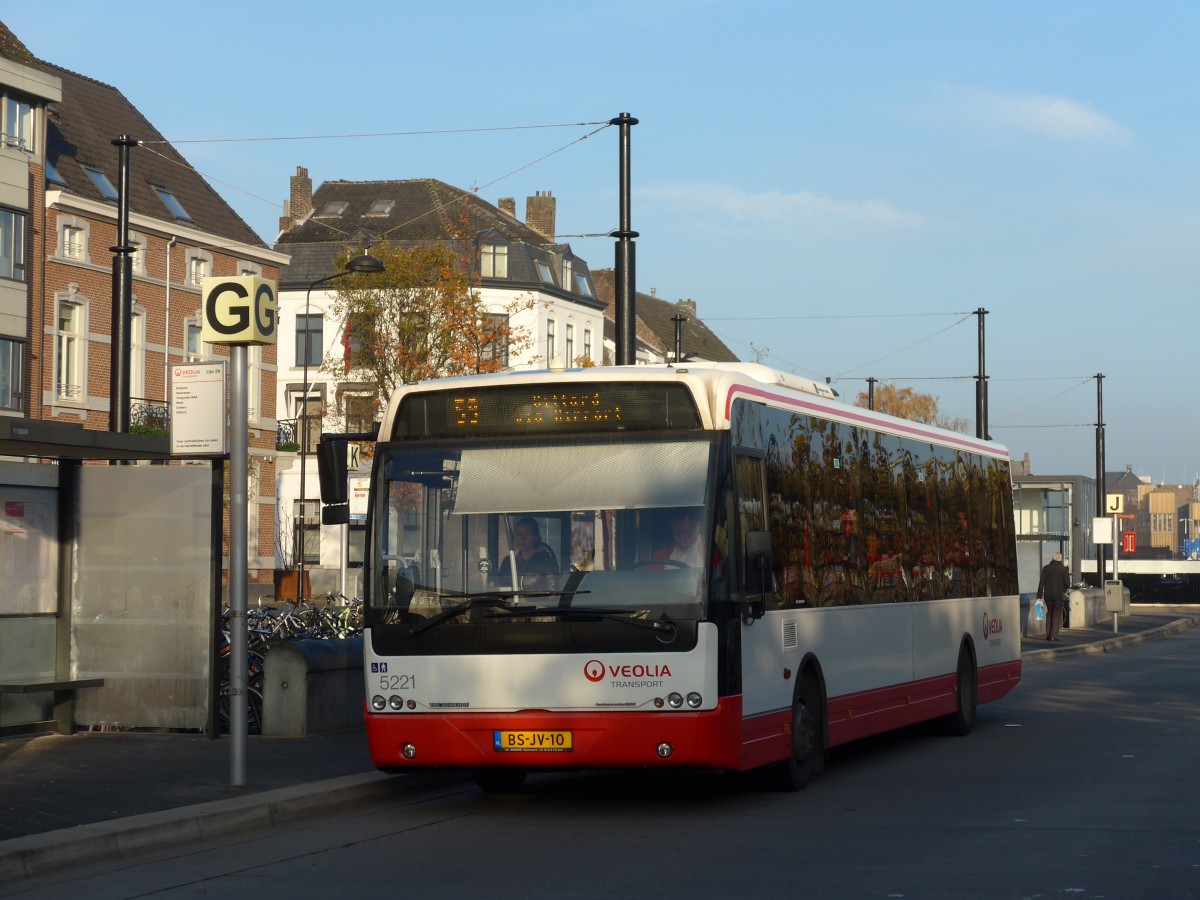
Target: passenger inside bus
(537, 567)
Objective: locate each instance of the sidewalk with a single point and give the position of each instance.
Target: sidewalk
(1147, 622)
(68, 798)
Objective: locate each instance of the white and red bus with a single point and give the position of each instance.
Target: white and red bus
(857, 573)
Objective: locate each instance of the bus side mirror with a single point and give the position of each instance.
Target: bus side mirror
(331, 469)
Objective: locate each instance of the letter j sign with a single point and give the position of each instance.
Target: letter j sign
(238, 310)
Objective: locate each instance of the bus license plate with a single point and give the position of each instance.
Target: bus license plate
(544, 741)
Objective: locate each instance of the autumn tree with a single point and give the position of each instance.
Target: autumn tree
(905, 403)
(420, 318)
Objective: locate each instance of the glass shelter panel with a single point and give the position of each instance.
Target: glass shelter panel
(142, 598)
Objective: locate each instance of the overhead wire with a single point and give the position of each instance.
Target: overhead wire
(184, 164)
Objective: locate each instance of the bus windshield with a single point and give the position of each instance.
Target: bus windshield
(496, 531)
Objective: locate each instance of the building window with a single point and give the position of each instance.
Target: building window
(587, 344)
(52, 175)
(254, 381)
(551, 340)
(69, 340)
(171, 202)
(493, 261)
(334, 208)
(11, 374)
(380, 208)
(358, 412)
(18, 124)
(249, 268)
(307, 534)
(570, 344)
(74, 242)
(583, 286)
(566, 273)
(137, 354)
(193, 349)
(496, 350)
(138, 243)
(544, 272)
(12, 245)
(310, 331)
(100, 180)
(311, 413)
(199, 267)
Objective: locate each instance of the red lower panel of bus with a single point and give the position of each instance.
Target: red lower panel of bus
(596, 739)
(855, 716)
(719, 739)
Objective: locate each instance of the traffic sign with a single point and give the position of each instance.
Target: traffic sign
(238, 310)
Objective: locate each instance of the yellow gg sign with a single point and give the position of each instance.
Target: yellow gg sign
(238, 310)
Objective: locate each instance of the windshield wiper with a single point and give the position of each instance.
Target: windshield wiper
(664, 627)
(497, 599)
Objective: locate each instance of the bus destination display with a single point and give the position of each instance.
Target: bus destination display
(519, 409)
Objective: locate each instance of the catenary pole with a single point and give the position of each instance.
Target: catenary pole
(625, 268)
(122, 298)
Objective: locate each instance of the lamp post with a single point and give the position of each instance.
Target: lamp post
(364, 264)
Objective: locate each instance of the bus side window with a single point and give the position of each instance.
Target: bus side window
(752, 520)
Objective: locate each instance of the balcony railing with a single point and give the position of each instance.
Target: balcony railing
(287, 435)
(149, 416)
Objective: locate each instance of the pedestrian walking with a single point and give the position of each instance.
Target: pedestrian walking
(1052, 588)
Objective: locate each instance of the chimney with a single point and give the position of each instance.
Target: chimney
(508, 205)
(539, 214)
(299, 205)
(687, 306)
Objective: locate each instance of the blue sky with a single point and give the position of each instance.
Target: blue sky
(837, 186)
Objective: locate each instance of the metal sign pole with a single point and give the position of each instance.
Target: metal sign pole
(1116, 552)
(238, 312)
(239, 479)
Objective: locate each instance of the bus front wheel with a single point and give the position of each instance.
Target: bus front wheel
(794, 773)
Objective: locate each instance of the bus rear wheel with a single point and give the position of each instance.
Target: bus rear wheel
(794, 773)
(500, 780)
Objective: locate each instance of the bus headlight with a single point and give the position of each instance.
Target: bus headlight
(397, 704)
(378, 703)
(694, 700)
(675, 701)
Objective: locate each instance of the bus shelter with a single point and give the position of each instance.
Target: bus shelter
(111, 565)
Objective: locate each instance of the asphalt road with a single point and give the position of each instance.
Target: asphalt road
(1080, 784)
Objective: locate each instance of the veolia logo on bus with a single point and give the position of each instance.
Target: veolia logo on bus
(992, 628)
(594, 670)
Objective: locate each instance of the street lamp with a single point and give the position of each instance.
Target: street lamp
(364, 264)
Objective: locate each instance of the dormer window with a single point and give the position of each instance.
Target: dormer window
(493, 260)
(583, 286)
(172, 203)
(100, 180)
(544, 272)
(566, 273)
(380, 208)
(52, 175)
(334, 208)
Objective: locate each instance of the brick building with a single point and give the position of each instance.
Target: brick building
(55, 341)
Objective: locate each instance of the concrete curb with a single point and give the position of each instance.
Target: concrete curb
(24, 858)
(1115, 643)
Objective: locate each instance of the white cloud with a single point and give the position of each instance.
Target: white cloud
(1059, 118)
(727, 202)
